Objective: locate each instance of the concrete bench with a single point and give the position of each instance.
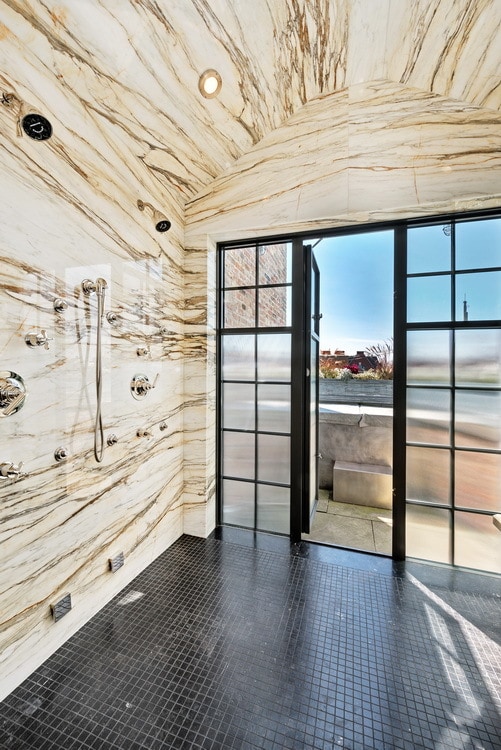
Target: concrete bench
(362, 484)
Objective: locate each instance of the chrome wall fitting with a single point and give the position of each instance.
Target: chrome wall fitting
(12, 393)
(142, 351)
(9, 470)
(61, 454)
(140, 385)
(34, 339)
(111, 317)
(60, 305)
(144, 432)
(112, 440)
(162, 426)
(88, 287)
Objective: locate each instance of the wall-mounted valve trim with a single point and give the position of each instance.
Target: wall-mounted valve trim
(142, 351)
(140, 385)
(60, 305)
(9, 470)
(61, 454)
(144, 432)
(34, 339)
(12, 393)
(112, 440)
(111, 317)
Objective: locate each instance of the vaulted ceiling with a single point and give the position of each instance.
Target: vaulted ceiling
(135, 64)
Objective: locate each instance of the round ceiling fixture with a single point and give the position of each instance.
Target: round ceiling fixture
(210, 83)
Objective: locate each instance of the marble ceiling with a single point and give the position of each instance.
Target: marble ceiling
(135, 64)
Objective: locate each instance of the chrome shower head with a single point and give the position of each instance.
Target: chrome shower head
(162, 224)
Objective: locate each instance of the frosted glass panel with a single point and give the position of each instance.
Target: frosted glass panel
(428, 416)
(273, 459)
(238, 354)
(482, 292)
(240, 308)
(428, 299)
(429, 249)
(275, 263)
(239, 406)
(478, 419)
(478, 481)
(273, 509)
(478, 244)
(274, 307)
(240, 266)
(428, 533)
(274, 408)
(477, 542)
(428, 475)
(428, 357)
(478, 357)
(274, 357)
(238, 503)
(238, 455)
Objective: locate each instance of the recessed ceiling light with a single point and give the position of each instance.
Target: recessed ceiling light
(210, 84)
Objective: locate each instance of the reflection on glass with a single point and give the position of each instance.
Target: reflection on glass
(478, 357)
(429, 249)
(274, 408)
(477, 542)
(240, 266)
(478, 244)
(238, 406)
(274, 357)
(238, 455)
(478, 419)
(428, 357)
(275, 263)
(478, 296)
(428, 299)
(428, 416)
(238, 357)
(273, 310)
(240, 308)
(273, 459)
(273, 505)
(238, 503)
(478, 480)
(428, 475)
(428, 533)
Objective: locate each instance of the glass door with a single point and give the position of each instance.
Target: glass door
(453, 393)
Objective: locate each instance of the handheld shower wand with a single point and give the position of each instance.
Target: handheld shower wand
(99, 287)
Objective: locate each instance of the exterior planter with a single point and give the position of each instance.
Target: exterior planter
(363, 392)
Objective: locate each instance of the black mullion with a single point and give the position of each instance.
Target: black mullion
(452, 469)
(399, 459)
(256, 321)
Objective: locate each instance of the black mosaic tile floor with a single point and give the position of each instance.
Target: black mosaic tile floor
(256, 645)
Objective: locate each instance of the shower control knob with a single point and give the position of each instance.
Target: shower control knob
(9, 470)
(34, 339)
(60, 305)
(112, 440)
(162, 426)
(60, 454)
(142, 351)
(140, 385)
(143, 432)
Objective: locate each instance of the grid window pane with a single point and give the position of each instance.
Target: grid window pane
(275, 263)
(428, 475)
(273, 508)
(482, 294)
(240, 266)
(477, 542)
(240, 308)
(478, 244)
(238, 455)
(274, 307)
(239, 406)
(428, 533)
(273, 459)
(429, 249)
(428, 416)
(478, 419)
(428, 357)
(428, 299)
(238, 505)
(274, 357)
(478, 357)
(478, 480)
(238, 357)
(274, 408)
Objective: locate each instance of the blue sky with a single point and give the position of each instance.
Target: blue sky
(356, 290)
